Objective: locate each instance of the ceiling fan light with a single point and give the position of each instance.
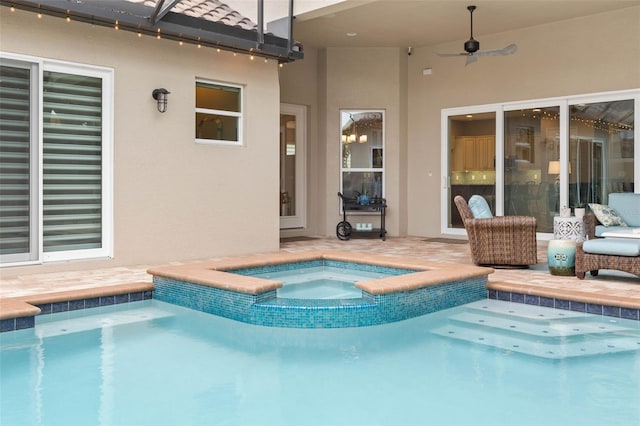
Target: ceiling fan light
(471, 46)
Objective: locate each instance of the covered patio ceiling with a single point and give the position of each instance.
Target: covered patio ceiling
(209, 23)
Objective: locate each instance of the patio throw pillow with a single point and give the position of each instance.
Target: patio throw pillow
(608, 216)
(479, 207)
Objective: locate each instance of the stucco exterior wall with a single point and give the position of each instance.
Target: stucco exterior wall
(586, 55)
(593, 54)
(173, 199)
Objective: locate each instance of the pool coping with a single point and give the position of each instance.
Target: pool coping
(213, 273)
(17, 313)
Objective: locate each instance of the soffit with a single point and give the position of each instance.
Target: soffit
(419, 23)
(204, 22)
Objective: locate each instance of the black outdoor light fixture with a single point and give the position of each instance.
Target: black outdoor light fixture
(160, 95)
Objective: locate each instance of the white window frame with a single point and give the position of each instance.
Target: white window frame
(39, 66)
(563, 103)
(238, 115)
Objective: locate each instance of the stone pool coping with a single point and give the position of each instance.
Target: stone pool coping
(213, 273)
(17, 313)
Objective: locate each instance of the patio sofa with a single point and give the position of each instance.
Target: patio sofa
(623, 254)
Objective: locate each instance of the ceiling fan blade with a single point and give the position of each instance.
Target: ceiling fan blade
(471, 59)
(445, 55)
(509, 50)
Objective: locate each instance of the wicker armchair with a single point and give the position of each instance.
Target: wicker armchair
(502, 241)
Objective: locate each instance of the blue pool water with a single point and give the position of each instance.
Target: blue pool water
(320, 279)
(485, 363)
(322, 282)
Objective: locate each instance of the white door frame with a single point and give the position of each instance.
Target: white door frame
(299, 220)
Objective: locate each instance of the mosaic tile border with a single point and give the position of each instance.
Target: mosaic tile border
(267, 309)
(21, 323)
(569, 305)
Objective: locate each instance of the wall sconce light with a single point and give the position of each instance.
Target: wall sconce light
(160, 95)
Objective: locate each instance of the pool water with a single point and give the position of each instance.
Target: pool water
(485, 363)
(324, 282)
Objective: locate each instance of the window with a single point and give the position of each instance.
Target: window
(55, 157)
(362, 142)
(218, 113)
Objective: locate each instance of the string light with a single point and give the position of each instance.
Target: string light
(116, 26)
(13, 9)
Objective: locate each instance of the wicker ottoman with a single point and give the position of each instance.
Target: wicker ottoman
(622, 254)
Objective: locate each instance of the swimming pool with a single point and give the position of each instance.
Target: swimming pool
(153, 363)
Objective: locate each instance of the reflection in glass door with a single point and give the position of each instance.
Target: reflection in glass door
(292, 166)
(531, 164)
(472, 155)
(601, 151)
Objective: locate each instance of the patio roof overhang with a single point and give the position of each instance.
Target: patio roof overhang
(161, 22)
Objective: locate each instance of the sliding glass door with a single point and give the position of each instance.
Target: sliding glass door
(531, 164)
(534, 158)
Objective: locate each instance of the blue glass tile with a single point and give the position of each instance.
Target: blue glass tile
(530, 299)
(594, 308)
(107, 300)
(25, 322)
(59, 307)
(562, 304)
(122, 298)
(517, 297)
(45, 308)
(74, 305)
(611, 311)
(7, 325)
(492, 294)
(93, 302)
(504, 295)
(136, 297)
(578, 306)
(547, 302)
(629, 313)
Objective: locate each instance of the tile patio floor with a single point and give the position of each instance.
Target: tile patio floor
(607, 284)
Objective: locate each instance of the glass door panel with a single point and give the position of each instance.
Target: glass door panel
(531, 164)
(292, 167)
(472, 154)
(601, 151)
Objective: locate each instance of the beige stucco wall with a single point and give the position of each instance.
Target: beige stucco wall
(174, 199)
(349, 78)
(593, 54)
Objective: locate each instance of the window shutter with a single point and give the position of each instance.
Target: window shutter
(72, 162)
(15, 212)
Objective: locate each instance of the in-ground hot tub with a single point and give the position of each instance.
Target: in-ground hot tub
(226, 288)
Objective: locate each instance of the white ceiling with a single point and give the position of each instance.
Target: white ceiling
(417, 23)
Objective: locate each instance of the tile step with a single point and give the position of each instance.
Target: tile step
(561, 349)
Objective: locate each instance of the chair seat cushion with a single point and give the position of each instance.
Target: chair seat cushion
(479, 207)
(601, 228)
(613, 246)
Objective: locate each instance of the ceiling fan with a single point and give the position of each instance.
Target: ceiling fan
(472, 47)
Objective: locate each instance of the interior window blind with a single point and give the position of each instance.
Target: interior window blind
(72, 162)
(14, 160)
